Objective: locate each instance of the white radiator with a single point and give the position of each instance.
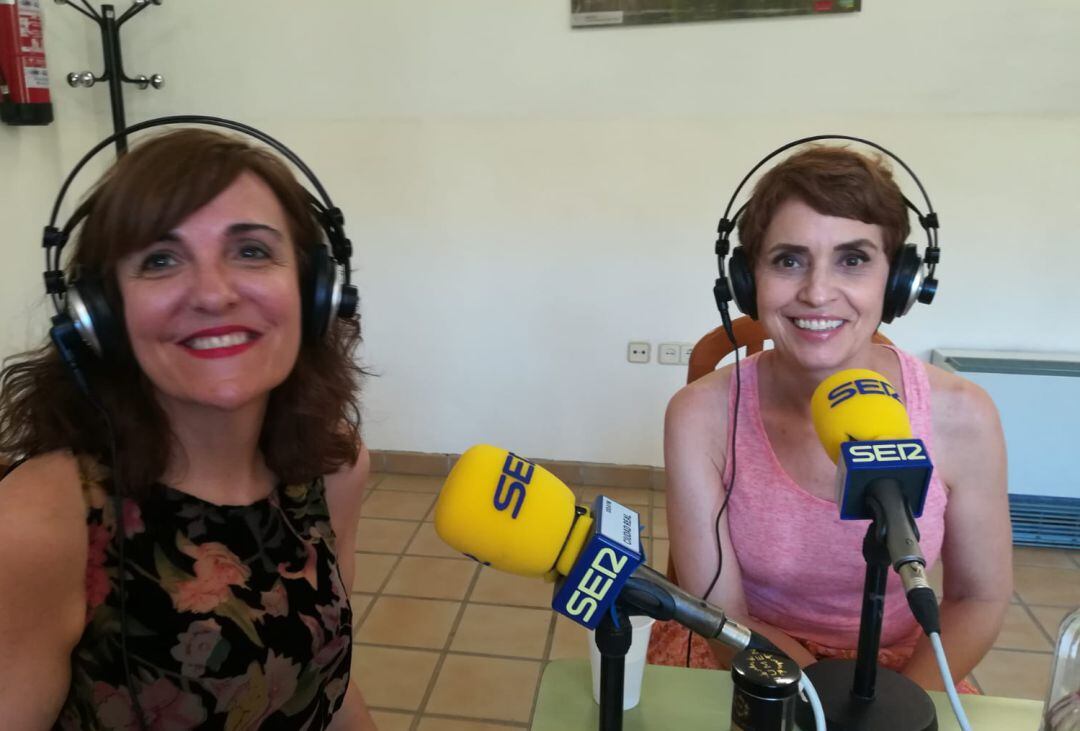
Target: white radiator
(1038, 397)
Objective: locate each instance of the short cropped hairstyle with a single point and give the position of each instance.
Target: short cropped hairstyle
(312, 423)
(834, 181)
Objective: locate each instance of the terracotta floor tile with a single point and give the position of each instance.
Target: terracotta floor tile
(1050, 619)
(359, 603)
(659, 554)
(390, 721)
(497, 587)
(371, 570)
(484, 687)
(378, 535)
(1052, 557)
(659, 523)
(407, 622)
(512, 631)
(393, 678)
(429, 723)
(426, 542)
(1014, 674)
(1020, 632)
(401, 505)
(412, 483)
(432, 578)
(570, 640)
(1047, 586)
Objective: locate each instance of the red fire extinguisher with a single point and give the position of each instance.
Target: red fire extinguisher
(24, 78)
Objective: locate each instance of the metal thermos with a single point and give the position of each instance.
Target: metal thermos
(766, 691)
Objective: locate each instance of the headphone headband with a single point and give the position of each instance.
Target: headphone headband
(330, 217)
(815, 138)
(901, 292)
(191, 119)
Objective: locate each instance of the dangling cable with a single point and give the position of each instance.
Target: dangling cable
(71, 361)
(815, 702)
(946, 678)
(729, 329)
(121, 536)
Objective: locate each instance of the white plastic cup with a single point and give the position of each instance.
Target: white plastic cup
(634, 667)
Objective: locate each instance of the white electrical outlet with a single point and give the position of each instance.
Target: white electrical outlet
(685, 349)
(638, 352)
(667, 353)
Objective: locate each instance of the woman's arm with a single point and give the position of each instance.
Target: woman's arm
(344, 491)
(43, 553)
(353, 714)
(977, 549)
(695, 431)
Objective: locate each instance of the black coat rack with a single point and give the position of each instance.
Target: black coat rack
(110, 25)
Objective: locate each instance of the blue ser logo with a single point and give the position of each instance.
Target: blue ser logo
(863, 386)
(510, 490)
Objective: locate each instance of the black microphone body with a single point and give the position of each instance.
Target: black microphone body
(887, 481)
(650, 592)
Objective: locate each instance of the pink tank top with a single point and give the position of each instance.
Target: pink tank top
(802, 567)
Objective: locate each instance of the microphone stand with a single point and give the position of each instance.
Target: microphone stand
(613, 643)
(859, 695)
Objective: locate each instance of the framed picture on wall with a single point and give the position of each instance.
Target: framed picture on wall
(589, 13)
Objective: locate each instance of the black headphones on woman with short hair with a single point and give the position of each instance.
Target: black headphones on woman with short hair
(908, 281)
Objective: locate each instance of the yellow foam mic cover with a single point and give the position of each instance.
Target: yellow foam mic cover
(857, 405)
(505, 511)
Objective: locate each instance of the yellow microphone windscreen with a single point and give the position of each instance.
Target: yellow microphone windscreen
(504, 511)
(857, 405)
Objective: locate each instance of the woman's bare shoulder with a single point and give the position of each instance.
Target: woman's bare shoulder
(707, 392)
(42, 505)
(345, 487)
(962, 410)
(695, 429)
(43, 539)
(43, 523)
(958, 402)
(702, 404)
(48, 484)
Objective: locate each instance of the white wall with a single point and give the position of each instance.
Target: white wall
(526, 198)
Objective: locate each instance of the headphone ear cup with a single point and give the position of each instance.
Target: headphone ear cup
(320, 297)
(904, 281)
(93, 318)
(742, 283)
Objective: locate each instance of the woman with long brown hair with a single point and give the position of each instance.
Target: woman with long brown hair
(178, 541)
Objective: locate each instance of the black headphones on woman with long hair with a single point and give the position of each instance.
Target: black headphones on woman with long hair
(83, 317)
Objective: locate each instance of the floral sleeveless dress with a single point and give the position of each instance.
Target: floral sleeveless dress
(237, 617)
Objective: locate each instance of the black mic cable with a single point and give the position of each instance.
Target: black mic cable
(729, 329)
(62, 333)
